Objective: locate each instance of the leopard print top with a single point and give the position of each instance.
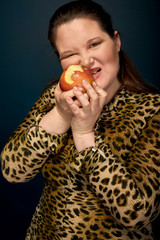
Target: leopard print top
(87, 195)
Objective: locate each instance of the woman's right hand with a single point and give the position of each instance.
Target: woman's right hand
(61, 105)
(58, 120)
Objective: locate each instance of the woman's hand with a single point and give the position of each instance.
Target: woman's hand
(62, 107)
(86, 113)
(58, 120)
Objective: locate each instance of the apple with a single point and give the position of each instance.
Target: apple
(73, 76)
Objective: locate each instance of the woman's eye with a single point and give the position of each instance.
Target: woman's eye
(70, 55)
(67, 56)
(94, 44)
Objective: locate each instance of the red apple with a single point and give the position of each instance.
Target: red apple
(73, 77)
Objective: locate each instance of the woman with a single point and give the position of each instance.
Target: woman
(98, 152)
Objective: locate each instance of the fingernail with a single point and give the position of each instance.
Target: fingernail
(80, 89)
(94, 84)
(84, 81)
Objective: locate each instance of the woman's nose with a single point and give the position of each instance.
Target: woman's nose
(86, 61)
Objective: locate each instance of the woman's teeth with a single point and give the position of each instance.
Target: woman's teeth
(96, 71)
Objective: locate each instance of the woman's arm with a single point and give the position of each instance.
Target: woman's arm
(130, 190)
(30, 145)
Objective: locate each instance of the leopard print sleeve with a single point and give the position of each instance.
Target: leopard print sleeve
(130, 188)
(29, 146)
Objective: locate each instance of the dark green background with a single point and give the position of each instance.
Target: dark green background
(27, 64)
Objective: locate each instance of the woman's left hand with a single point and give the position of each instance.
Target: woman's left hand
(86, 115)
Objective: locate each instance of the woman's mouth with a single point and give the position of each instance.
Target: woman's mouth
(96, 72)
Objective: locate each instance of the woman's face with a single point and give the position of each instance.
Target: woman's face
(83, 42)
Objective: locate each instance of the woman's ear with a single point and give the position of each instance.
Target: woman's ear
(117, 40)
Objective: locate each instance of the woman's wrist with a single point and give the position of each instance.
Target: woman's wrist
(54, 122)
(84, 140)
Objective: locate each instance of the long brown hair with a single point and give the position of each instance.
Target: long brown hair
(128, 74)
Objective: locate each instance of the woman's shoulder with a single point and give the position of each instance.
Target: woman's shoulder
(137, 104)
(151, 99)
(47, 95)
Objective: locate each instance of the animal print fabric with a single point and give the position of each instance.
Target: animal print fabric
(90, 195)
